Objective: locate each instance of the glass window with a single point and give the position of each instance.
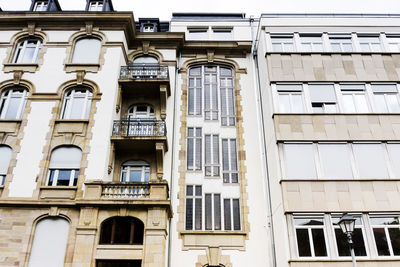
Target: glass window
(211, 164)
(194, 145)
(282, 44)
(122, 230)
(64, 166)
(148, 28)
(335, 160)
(27, 51)
(299, 160)
(87, 50)
(386, 98)
(354, 98)
(12, 103)
(370, 43)
(358, 238)
(135, 171)
(394, 43)
(386, 232)
(229, 161)
(227, 97)
(310, 237)
(145, 60)
(311, 43)
(195, 91)
(210, 93)
(290, 98)
(341, 43)
(370, 160)
(76, 104)
(193, 207)
(231, 214)
(5, 157)
(40, 6)
(212, 209)
(323, 98)
(96, 6)
(394, 155)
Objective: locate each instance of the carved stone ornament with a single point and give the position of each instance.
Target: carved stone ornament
(17, 76)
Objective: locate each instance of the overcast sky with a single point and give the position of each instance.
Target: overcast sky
(164, 8)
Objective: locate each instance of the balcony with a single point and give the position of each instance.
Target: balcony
(144, 72)
(139, 128)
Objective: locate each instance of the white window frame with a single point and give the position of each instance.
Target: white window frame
(195, 137)
(70, 97)
(393, 40)
(231, 210)
(282, 40)
(141, 166)
(307, 93)
(41, 6)
(230, 160)
(385, 94)
(56, 176)
(5, 101)
(214, 158)
(354, 92)
(340, 41)
(370, 44)
(148, 28)
(95, 6)
(300, 92)
(385, 227)
(213, 210)
(194, 196)
(21, 49)
(303, 42)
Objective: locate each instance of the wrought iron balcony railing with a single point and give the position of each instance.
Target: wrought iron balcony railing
(144, 71)
(145, 128)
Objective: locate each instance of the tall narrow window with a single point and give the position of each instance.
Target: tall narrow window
(211, 164)
(87, 51)
(194, 207)
(76, 104)
(227, 97)
(370, 160)
(5, 157)
(341, 43)
(64, 166)
(210, 93)
(299, 160)
(231, 214)
(135, 171)
(194, 97)
(323, 98)
(358, 238)
(354, 98)
(229, 161)
(282, 43)
(290, 98)
(394, 43)
(386, 97)
(194, 148)
(387, 235)
(27, 51)
(212, 211)
(310, 237)
(12, 103)
(370, 43)
(49, 243)
(311, 43)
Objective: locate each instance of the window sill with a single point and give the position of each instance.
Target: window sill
(58, 192)
(72, 121)
(25, 67)
(10, 126)
(226, 239)
(119, 246)
(87, 67)
(208, 232)
(71, 126)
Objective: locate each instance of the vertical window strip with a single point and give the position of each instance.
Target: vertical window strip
(193, 207)
(210, 96)
(211, 165)
(227, 102)
(212, 212)
(194, 144)
(195, 91)
(229, 165)
(232, 214)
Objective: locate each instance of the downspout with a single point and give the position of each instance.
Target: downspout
(263, 143)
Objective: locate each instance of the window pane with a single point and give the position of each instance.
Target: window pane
(227, 214)
(297, 103)
(381, 242)
(361, 103)
(64, 177)
(299, 161)
(319, 242)
(322, 93)
(380, 103)
(394, 234)
(77, 107)
(335, 160)
(51, 177)
(358, 242)
(135, 176)
(87, 50)
(198, 214)
(236, 214)
(13, 106)
(392, 103)
(348, 103)
(394, 155)
(284, 103)
(189, 214)
(303, 243)
(370, 160)
(5, 157)
(217, 211)
(208, 212)
(341, 242)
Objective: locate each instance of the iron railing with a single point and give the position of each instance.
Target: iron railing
(143, 71)
(139, 128)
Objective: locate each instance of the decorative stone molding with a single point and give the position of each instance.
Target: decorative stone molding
(213, 258)
(17, 76)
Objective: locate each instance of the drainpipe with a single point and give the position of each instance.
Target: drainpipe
(263, 143)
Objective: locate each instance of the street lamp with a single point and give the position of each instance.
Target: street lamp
(347, 223)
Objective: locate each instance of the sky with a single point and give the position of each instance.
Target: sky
(163, 9)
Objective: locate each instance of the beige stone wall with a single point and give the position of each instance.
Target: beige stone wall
(346, 127)
(333, 67)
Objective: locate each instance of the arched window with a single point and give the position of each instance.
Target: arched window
(27, 51)
(64, 166)
(5, 157)
(87, 50)
(12, 103)
(49, 243)
(135, 171)
(122, 230)
(145, 60)
(76, 104)
(141, 111)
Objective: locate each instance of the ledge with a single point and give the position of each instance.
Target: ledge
(25, 67)
(204, 239)
(87, 67)
(57, 192)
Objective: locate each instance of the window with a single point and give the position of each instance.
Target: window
(310, 237)
(193, 207)
(76, 104)
(145, 60)
(229, 161)
(122, 231)
(64, 166)
(194, 149)
(394, 156)
(40, 6)
(27, 51)
(12, 103)
(96, 6)
(323, 98)
(49, 243)
(394, 43)
(290, 97)
(335, 160)
(87, 51)
(311, 43)
(197, 34)
(282, 43)
(227, 97)
(222, 33)
(135, 171)
(212, 211)
(354, 98)
(386, 232)
(148, 28)
(358, 238)
(231, 214)
(211, 164)
(341, 43)
(142, 111)
(370, 160)
(386, 98)
(210, 93)
(5, 157)
(195, 86)
(299, 160)
(370, 43)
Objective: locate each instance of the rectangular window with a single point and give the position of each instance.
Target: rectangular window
(194, 148)
(341, 43)
(370, 160)
(282, 43)
(210, 93)
(212, 211)
(227, 97)
(222, 33)
(394, 43)
(386, 232)
(229, 161)
(386, 98)
(310, 237)
(290, 98)
(194, 91)
(96, 6)
(335, 160)
(323, 98)
(358, 238)
(370, 43)
(197, 34)
(299, 160)
(211, 164)
(40, 6)
(311, 43)
(354, 98)
(232, 214)
(193, 207)
(394, 156)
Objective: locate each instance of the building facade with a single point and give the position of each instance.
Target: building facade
(209, 140)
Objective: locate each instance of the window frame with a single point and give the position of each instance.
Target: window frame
(387, 235)
(5, 101)
(369, 43)
(41, 6)
(76, 41)
(95, 6)
(214, 158)
(340, 41)
(196, 147)
(231, 172)
(135, 165)
(68, 103)
(308, 39)
(5, 149)
(282, 40)
(21, 48)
